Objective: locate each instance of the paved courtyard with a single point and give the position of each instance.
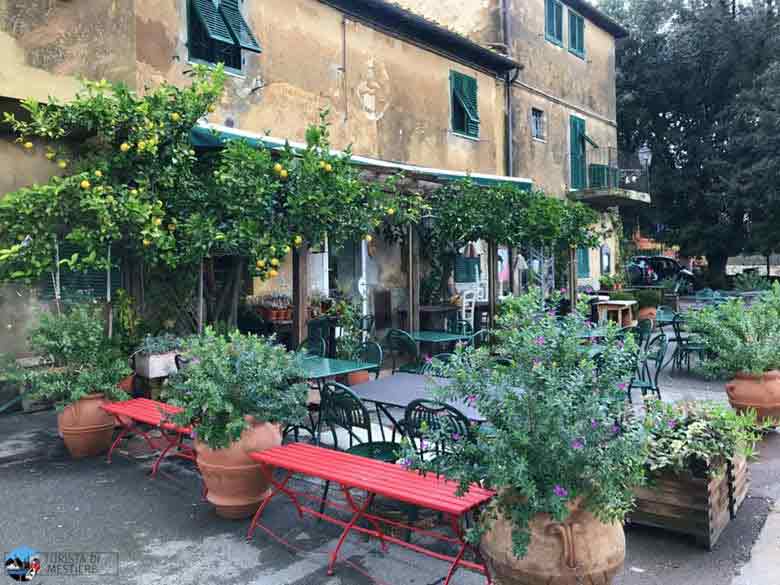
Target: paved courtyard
(161, 532)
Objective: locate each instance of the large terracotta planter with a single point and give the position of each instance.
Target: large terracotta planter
(355, 378)
(580, 551)
(759, 392)
(85, 427)
(236, 484)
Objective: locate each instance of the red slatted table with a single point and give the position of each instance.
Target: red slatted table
(375, 478)
(130, 414)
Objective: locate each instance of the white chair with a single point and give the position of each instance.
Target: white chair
(467, 308)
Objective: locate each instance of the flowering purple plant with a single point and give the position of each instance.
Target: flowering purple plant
(560, 491)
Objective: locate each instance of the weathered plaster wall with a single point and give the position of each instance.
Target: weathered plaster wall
(47, 44)
(477, 19)
(388, 98)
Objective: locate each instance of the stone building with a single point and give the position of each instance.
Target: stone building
(505, 90)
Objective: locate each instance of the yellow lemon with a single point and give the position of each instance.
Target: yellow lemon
(98, 174)
(322, 164)
(328, 167)
(192, 152)
(278, 168)
(141, 145)
(390, 211)
(175, 117)
(286, 249)
(298, 240)
(28, 145)
(124, 147)
(272, 249)
(157, 221)
(85, 184)
(261, 264)
(273, 273)
(284, 174)
(212, 108)
(63, 164)
(147, 243)
(368, 238)
(51, 155)
(274, 262)
(134, 192)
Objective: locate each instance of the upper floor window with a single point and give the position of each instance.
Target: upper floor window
(537, 124)
(553, 18)
(576, 34)
(465, 110)
(217, 33)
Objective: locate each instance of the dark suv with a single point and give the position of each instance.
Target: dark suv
(650, 270)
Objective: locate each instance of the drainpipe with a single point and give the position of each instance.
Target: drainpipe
(511, 77)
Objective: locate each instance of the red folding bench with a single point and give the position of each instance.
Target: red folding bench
(376, 478)
(136, 413)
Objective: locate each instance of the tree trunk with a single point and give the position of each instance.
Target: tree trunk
(716, 270)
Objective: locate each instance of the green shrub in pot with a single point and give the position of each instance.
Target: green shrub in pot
(156, 356)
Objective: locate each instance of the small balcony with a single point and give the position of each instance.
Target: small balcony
(603, 178)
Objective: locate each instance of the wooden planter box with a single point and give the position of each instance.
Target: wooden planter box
(688, 505)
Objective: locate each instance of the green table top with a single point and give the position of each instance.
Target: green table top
(593, 333)
(318, 367)
(664, 318)
(438, 336)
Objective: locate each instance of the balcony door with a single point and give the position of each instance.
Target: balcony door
(577, 154)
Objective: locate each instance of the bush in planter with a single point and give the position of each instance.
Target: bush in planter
(86, 370)
(236, 391)
(558, 443)
(697, 465)
(155, 357)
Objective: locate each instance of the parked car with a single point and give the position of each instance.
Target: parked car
(650, 270)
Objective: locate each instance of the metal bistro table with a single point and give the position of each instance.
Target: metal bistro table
(398, 390)
(319, 368)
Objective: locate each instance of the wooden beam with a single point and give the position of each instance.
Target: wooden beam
(300, 294)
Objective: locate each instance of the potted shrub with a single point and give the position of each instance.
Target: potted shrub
(611, 282)
(348, 344)
(86, 371)
(697, 468)
(156, 357)
(743, 343)
(563, 454)
(237, 392)
(648, 301)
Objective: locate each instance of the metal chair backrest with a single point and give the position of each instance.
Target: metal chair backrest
(422, 417)
(677, 328)
(643, 331)
(401, 342)
(459, 327)
(314, 347)
(479, 339)
(340, 407)
(654, 355)
(372, 353)
(469, 304)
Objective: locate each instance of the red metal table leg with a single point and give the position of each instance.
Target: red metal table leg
(355, 517)
(279, 487)
(374, 523)
(125, 429)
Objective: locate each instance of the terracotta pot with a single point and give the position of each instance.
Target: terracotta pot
(580, 551)
(360, 377)
(236, 484)
(85, 427)
(647, 313)
(759, 392)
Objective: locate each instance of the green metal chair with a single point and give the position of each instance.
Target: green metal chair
(401, 343)
(645, 379)
(479, 338)
(642, 333)
(314, 347)
(372, 353)
(460, 327)
(685, 346)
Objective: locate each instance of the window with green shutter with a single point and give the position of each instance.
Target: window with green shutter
(464, 104)
(576, 34)
(583, 262)
(217, 33)
(553, 19)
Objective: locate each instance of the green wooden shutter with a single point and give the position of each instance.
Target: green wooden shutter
(559, 22)
(466, 269)
(578, 170)
(576, 34)
(465, 94)
(212, 20)
(242, 34)
(583, 262)
(553, 27)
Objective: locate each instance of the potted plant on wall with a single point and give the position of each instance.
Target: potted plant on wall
(237, 392)
(697, 467)
(562, 454)
(156, 357)
(85, 372)
(743, 343)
